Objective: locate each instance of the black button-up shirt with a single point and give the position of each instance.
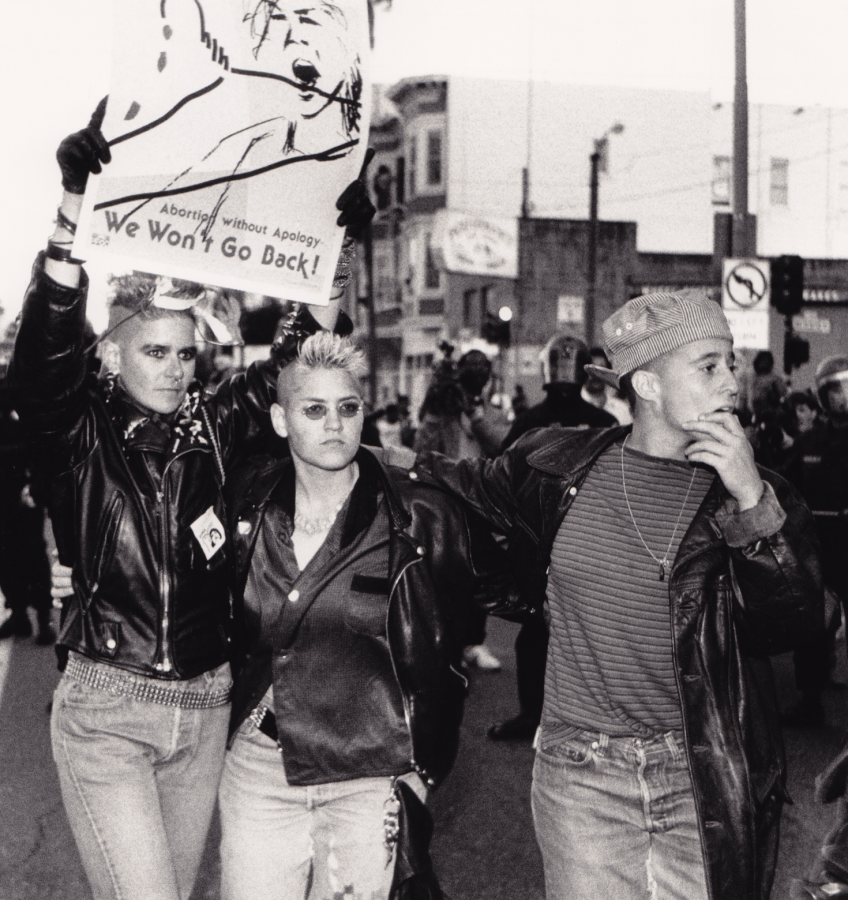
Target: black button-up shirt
(338, 706)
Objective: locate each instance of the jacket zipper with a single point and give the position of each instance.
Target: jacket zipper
(164, 661)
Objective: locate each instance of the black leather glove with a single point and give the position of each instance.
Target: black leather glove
(357, 210)
(295, 327)
(82, 152)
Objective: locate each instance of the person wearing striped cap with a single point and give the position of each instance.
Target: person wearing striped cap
(669, 567)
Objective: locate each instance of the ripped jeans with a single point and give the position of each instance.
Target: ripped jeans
(290, 842)
(615, 817)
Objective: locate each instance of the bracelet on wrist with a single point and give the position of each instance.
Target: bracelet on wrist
(60, 253)
(64, 222)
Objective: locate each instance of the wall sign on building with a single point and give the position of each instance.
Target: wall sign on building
(810, 322)
(472, 245)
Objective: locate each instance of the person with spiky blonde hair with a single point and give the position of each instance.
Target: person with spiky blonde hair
(352, 585)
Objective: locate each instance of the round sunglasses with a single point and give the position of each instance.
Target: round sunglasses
(347, 410)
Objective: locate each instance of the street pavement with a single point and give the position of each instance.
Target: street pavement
(483, 849)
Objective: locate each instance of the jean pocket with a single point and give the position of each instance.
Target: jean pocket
(248, 735)
(84, 696)
(569, 752)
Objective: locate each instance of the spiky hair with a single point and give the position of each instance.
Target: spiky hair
(326, 350)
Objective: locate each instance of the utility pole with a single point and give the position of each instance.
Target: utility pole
(592, 263)
(741, 244)
(525, 192)
(598, 163)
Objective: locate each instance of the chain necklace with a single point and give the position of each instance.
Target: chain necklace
(320, 524)
(665, 568)
(317, 525)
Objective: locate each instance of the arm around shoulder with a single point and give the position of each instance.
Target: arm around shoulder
(486, 487)
(240, 409)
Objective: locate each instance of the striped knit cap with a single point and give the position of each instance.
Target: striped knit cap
(650, 325)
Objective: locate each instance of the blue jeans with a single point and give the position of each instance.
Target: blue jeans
(139, 782)
(287, 842)
(615, 817)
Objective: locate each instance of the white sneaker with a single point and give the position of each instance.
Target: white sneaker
(479, 656)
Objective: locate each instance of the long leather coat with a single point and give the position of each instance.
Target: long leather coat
(730, 607)
(437, 564)
(146, 598)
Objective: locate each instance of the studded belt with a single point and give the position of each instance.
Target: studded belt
(140, 687)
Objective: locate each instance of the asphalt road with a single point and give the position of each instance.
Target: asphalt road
(484, 847)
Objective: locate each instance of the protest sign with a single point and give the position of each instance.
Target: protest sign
(234, 125)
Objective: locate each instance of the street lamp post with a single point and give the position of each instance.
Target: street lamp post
(596, 159)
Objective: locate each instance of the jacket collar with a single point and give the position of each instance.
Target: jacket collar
(398, 513)
(573, 450)
(170, 435)
(270, 470)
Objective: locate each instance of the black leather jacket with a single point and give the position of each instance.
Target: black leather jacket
(730, 607)
(437, 564)
(146, 599)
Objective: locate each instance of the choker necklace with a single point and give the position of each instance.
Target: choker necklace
(317, 525)
(665, 568)
(320, 524)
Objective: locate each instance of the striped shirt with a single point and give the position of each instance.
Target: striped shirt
(610, 667)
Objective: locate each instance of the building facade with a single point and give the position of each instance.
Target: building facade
(499, 152)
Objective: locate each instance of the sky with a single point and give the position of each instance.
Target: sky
(56, 59)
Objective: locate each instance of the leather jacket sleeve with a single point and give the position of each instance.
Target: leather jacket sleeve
(486, 486)
(49, 365)
(240, 411)
(778, 576)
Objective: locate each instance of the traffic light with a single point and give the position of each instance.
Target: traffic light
(787, 284)
(796, 352)
(495, 330)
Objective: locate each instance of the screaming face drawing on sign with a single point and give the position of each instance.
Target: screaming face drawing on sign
(284, 89)
(307, 43)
